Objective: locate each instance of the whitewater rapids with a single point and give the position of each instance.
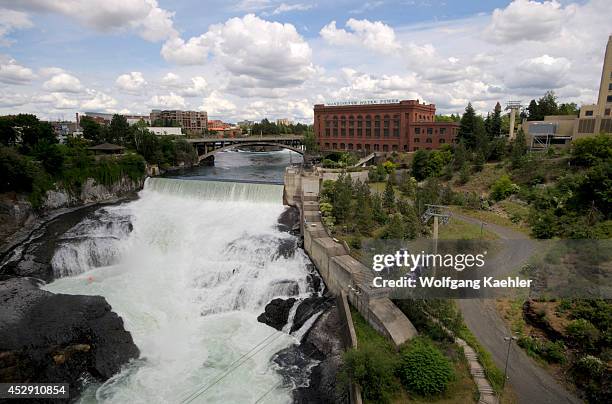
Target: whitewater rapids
(188, 266)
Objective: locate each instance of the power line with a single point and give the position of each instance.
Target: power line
(244, 358)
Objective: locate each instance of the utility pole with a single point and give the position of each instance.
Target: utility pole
(509, 340)
(439, 213)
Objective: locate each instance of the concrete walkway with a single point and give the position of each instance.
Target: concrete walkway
(531, 383)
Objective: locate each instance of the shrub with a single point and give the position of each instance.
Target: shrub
(372, 368)
(423, 369)
(590, 365)
(583, 333)
(503, 188)
(554, 352)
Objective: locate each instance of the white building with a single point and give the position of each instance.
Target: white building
(166, 130)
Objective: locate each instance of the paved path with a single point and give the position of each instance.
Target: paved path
(531, 383)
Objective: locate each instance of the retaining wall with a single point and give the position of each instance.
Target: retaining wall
(340, 271)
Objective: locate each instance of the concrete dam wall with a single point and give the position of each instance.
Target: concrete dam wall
(341, 272)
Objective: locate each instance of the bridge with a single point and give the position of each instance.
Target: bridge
(207, 147)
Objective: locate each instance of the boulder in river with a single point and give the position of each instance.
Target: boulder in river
(276, 313)
(47, 337)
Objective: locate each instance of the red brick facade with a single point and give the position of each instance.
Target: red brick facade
(403, 126)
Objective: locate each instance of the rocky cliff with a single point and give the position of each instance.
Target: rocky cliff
(46, 337)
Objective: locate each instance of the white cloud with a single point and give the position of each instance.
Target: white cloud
(143, 16)
(11, 100)
(543, 72)
(168, 101)
(375, 36)
(50, 71)
(10, 21)
(286, 8)
(367, 6)
(57, 101)
(63, 83)
(171, 79)
(198, 87)
(99, 102)
(13, 73)
(528, 20)
(268, 54)
(131, 82)
(217, 104)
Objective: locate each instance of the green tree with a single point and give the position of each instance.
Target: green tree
(518, 149)
(420, 165)
(310, 142)
(569, 108)
(378, 212)
(407, 184)
(547, 105)
(467, 126)
(496, 122)
(534, 111)
(395, 228)
(92, 130)
(389, 196)
(118, 129)
(464, 174)
(342, 197)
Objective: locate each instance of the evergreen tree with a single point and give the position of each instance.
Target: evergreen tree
(378, 212)
(389, 196)
(460, 155)
(534, 111)
(407, 185)
(342, 197)
(518, 149)
(496, 122)
(479, 161)
(419, 165)
(363, 208)
(466, 129)
(395, 228)
(464, 174)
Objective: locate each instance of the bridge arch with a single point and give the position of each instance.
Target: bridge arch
(242, 144)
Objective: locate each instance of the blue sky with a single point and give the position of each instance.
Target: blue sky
(252, 59)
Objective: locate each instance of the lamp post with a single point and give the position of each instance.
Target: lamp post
(509, 340)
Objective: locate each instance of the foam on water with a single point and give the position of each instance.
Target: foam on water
(189, 281)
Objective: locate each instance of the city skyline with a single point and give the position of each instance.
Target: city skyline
(263, 58)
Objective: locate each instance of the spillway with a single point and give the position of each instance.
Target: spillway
(189, 265)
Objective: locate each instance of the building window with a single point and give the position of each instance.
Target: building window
(367, 147)
(327, 132)
(405, 147)
(350, 146)
(609, 99)
(376, 147)
(415, 148)
(385, 148)
(606, 125)
(417, 140)
(417, 131)
(394, 147)
(377, 126)
(327, 145)
(396, 131)
(588, 113)
(430, 131)
(441, 141)
(610, 87)
(334, 146)
(442, 131)
(607, 112)
(428, 140)
(341, 146)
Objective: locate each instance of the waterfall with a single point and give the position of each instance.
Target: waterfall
(217, 190)
(200, 263)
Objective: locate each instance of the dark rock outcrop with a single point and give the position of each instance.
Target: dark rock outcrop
(47, 337)
(323, 344)
(308, 308)
(289, 221)
(276, 313)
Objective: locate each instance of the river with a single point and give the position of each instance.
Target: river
(189, 266)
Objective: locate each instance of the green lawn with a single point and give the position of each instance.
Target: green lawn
(493, 217)
(458, 229)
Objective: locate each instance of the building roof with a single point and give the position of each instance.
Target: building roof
(106, 146)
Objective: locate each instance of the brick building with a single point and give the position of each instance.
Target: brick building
(386, 125)
(192, 122)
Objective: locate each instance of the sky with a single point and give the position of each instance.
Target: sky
(255, 59)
